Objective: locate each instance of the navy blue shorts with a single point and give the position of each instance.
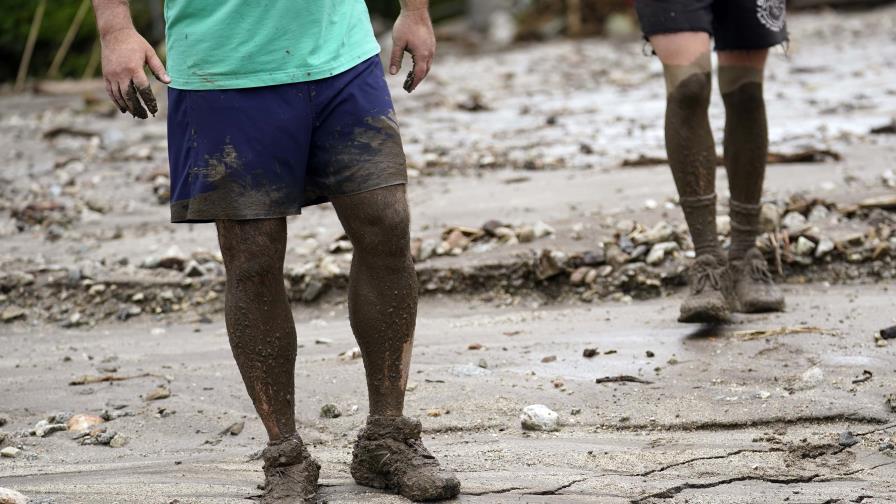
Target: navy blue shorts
(266, 152)
(735, 24)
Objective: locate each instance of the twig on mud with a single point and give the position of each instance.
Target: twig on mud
(866, 375)
(621, 378)
(89, 379)
(754, 334)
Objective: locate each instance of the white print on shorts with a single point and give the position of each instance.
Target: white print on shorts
(771, 13)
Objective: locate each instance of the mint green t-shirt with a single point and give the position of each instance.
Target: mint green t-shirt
(229, 44)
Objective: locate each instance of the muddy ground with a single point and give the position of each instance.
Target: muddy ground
(555, 141)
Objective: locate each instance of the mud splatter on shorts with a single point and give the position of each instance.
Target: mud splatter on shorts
(269, 151)
(735, 24)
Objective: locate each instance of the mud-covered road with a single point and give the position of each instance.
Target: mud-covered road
(539, 206)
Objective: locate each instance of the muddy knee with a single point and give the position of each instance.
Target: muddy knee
(383, 235)
(253, 248)
(691, 94)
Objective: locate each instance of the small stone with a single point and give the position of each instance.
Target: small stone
(723, 225)
(490, 226)
(793, 221)
(83, 422)
(649, 354)
(456, 240)
(541, 229)
(810, 378)
(45, 428)
(770, 217)
(312, 291)
(549, 358)
(594, 257)
(578, 276)
(434, 412)
(824, 247)
(193, 269)
(351, 354)
(427, 249)
(804, 246)
(11, 313)
(483, 364)
(589, 353)
(117, 441)
(819, 214)
(474, 346)
(160, 392)
(847, 439)
(10, 452)
(330, 410)
(525, 234)
(539, 417)
(659, 251)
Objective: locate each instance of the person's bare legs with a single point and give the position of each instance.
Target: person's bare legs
(383, 311)
(692, 157)
(263, 340)
(746, 152)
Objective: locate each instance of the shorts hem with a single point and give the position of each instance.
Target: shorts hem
(181, 217)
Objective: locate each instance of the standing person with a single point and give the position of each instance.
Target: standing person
(274, 106)
(744, 30)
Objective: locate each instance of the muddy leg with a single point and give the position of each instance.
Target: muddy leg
(259, 320)
(382, 297)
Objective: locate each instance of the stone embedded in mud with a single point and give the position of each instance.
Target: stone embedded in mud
(847, 439)
(8, 496)
(539, 417)
(312, 291)
(12, 313)
(659, 251)
(793, 221)
(160, 392)
(526, 234)
(804, 246)
(330, 410)
(824, 247)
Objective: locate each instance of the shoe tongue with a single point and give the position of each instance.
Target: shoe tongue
(286, 452)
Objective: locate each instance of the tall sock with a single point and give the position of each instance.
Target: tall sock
(746, 151)
(691, 149)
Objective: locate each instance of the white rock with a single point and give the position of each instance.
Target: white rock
(793, 220)
(824, 247)
(769, 217)
(539, 417)
(541, 229)
(810, 378)
(819, 214)
(659, 251)
(804, 246)
(8, 496)
(10, 452)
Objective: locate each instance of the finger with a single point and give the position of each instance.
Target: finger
(395, 59)
(119, 97)
(112, 96)
(156, 66)
(134, 104)
(421, 69)
(144, 91)
(409, 81)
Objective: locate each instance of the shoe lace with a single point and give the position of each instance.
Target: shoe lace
(758, 270)
(705, 276)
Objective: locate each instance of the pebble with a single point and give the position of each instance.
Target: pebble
(659, 251)
(45, 428)
(160, 392)
(847, 439)
(10, 452)
(541, 229)
(824, 247)
(83, 422)
(811, 378)
(539, 417)
(804, 246)
(118, 440)
(12, 313)
(793, 221)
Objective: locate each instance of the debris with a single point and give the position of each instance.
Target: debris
(589, 352)
(549, 358)
(888, 333)
(794, 221)
(90, 379)
(754, 334)
(539, 417)
(10, 452)
(804, 246)
(810, 379)
(890, 401)
(234, 429)
(434, 412)
(117, 441)
(474, 346)
(351, 354)
(330, 410)
(160, 392)
(540, 229)
(622, 378)
(866, 375)
(649, 354)
(323, 341)
(83, 422)
(887, 202)
(887, 129)
(45, 428)
(658, 252)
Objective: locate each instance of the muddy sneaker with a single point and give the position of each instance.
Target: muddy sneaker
(389, 454)
(290, 473)
(753, 286)
(710, 287)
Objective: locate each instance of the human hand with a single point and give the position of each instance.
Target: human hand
(413, 33)
(124, 55)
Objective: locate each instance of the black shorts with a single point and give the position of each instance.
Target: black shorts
(735, 24)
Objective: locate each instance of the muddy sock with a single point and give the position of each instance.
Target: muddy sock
(382, 296)
(746, 151)
(259, 319)
(691, 149)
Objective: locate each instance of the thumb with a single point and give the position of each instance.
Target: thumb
(156, 66)
(395, 60)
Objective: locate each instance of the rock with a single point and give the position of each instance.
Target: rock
(474, 346)
(824, 247)
(549, 358)
(490, 226)
(8, 496)
(578, 276)
(117, 441)
(526, 234)
(83, 422)
(457, 240)
(659, 251)
(173, 259)
(594, 257)
(541, 230)
(804, 246)
(793, 221)
(539, 417)
(160, 392)
(10, 452)
(847, 439)
(193, 269)
(330, 410)
(234, 429)
(506, 235)
(811, 378)
(11, 313)
(312, 291)
(427, 249)
(45, 428)
(819, 214)
(549, 263)
(769, 217)
(351, 354)
(483, 364)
